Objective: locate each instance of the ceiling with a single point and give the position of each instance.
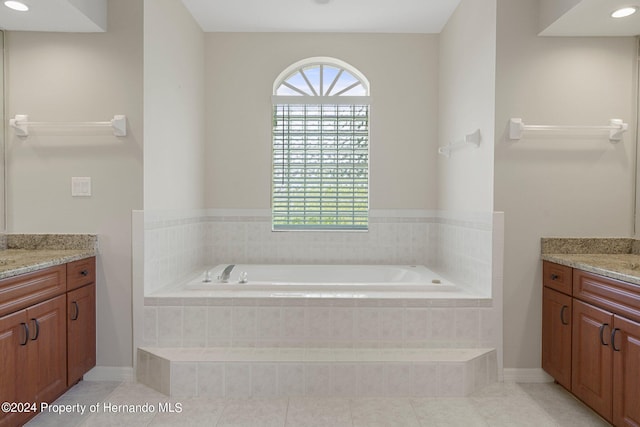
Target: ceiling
(572, 18)
(57, 15)
(558, 17)
(593, 18)
(359, 16)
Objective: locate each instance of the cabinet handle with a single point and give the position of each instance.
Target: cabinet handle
(37, 329)
(613, 339)
(604, 325)
(25, 327)
(76, 311)
(554, 277)
(84, 272)
(562, 310)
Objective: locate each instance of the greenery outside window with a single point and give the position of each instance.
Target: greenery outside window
(320, 178)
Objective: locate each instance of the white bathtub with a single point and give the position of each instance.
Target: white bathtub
(321, 278)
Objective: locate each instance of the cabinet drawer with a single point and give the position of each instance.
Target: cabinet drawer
(80, 273)
(614, 295)
(558, 277)
(24, 290)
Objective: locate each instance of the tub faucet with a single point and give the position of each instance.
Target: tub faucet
(224, 277)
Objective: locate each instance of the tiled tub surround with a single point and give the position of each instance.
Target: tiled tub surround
(179, 244)
(463, 250)
(250, 347)
(454, 339)
(175, 245)
(320, 322)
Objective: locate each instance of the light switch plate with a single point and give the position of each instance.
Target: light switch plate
(81, 186)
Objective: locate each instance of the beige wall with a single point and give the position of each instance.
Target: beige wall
(174, 105)
(402, 70)
(637, 184)
(557, 184)
(546, 186)
(466, 85)
(2, 136)
(82, 77)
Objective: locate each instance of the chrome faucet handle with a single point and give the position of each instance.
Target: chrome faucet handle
(207, 276)
(243, 277)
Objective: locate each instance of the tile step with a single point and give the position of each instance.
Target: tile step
(279, 372)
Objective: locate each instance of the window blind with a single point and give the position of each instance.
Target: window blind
(320, 167)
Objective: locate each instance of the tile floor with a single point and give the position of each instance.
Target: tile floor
(496, 405)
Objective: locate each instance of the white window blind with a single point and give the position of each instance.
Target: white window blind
(320, 147)
(320, 167)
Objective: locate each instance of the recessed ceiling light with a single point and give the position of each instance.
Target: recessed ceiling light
(322, 1)
(624, 11)
(16, 5)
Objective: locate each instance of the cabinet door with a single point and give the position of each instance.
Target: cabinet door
(81, 332)
(626, 373)
(48, 348)
(556, 336)
(591, 376)
(13, 350)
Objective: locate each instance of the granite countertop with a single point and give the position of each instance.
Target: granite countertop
(24, 253)
(613, 258)
(19, 261)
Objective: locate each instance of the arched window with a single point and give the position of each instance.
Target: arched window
(320, 175)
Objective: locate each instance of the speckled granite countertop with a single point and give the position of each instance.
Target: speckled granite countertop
(614, 258)
(24, 253)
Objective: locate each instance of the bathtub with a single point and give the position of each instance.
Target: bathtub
(320, 278)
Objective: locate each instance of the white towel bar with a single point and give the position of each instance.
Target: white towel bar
(616, 128)
(20, 123)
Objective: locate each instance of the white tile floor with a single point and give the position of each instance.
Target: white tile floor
(497, 405)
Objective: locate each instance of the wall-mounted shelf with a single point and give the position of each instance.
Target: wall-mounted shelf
(472, 138)
(616, 128)
(21, 124)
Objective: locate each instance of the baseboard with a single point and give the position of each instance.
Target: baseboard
(516, 375)
(110, 373)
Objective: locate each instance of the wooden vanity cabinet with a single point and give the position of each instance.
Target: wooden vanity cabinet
(81, 318)
(592, 363)
(606, 366)
(605, 342)
(13, 337)
(81, 332)
(33, 340)
(556, 322)
(40, 347)
(626, 372)
(556, 336)
(620, 301)
(47, 349)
